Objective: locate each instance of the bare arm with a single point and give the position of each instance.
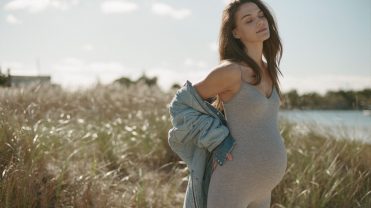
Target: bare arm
(216, 82)
(219, 80)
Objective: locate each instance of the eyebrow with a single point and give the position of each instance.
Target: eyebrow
(250, 14)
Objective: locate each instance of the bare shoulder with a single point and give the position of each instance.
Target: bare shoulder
(221, 79)
(227, 68)
(238, 66)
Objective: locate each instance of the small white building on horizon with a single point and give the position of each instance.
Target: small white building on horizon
(22, 81)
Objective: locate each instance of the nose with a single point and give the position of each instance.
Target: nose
(260, 22)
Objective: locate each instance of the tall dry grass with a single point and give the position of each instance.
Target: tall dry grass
(323, 171)
(107, 147)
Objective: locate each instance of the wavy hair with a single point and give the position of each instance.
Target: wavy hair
(232, 49)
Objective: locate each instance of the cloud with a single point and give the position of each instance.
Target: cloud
(88, 47)
(13, 65)
(118, 7)
(226, 1)
(193, 63)
(34, 6)
(166, 10)
(73, 73)
(11, 19)
(213, 46)
(168, 76)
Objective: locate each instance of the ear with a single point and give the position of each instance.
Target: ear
(234, 32)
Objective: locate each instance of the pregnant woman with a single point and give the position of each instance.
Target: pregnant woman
(245, 85)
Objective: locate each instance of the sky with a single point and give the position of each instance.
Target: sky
(327, 44)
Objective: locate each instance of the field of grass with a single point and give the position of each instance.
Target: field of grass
(107, 147)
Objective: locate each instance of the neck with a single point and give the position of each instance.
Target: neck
(255, 51)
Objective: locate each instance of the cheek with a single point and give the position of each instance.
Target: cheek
(250, 32)
(249, 29)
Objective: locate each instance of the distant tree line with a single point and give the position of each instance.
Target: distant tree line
(334, 100)
(4, 78)
(146, 80)
(337, 100)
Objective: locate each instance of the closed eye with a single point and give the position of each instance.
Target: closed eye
(261, 15)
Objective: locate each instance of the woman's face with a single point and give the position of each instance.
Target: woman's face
(251, 24)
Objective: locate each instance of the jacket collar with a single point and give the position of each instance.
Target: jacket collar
(205, 105)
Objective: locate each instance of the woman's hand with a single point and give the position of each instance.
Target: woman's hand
(229, 157)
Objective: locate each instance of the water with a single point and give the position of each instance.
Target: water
(338, 123)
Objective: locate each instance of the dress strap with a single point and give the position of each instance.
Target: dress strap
(240, 67)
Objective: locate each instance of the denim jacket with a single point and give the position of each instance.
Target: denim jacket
(199, 135)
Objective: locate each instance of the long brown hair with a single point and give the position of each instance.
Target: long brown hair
(233, 49)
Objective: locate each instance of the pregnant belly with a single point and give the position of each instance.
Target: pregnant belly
(265, 154)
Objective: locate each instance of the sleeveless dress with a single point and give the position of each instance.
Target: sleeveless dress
(259, 156)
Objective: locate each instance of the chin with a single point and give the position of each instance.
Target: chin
(266, 37)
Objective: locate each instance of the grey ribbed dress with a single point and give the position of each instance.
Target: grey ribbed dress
(259, 156)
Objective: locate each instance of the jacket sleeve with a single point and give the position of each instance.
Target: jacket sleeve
(220, 152)
(190, 125)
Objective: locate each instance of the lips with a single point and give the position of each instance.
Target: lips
(262, 30)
